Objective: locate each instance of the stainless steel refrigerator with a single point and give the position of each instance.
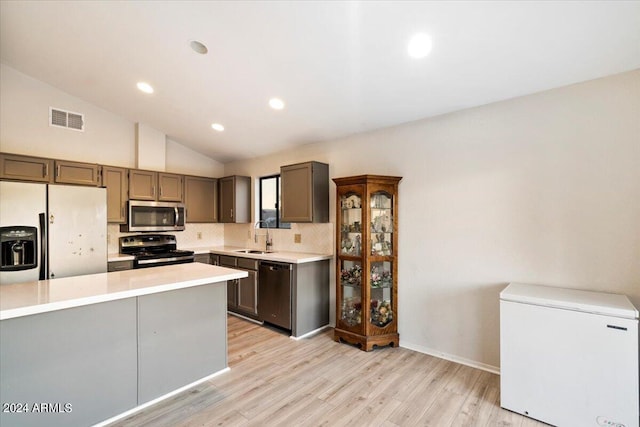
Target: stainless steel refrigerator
(51, 231)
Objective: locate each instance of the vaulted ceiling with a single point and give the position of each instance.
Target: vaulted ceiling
(340, 67)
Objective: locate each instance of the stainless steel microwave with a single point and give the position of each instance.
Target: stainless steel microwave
(154, 216)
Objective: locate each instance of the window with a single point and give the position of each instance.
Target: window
(270, 202)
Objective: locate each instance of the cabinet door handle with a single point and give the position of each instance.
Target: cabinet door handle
(58, 171)
(153, 191)
(161, 191)
(231, 213)
(45, 170)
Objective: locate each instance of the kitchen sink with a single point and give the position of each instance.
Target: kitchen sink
(252, 251)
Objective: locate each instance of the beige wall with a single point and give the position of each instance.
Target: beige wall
(24, 124)
(539, 189)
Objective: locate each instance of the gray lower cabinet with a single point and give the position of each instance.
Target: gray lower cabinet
(169, 358)
(232, 285)
(248, 287)
(309, 297)
(81, 362)
(248, 293)
(242, 294)
(202, 258)
(119, 265)
(232, 295)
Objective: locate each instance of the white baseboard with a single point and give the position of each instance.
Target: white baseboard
(159, 399)
(308, 334)
(450, 357)
(258, 322)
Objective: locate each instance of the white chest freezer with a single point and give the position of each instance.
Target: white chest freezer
(568, 357)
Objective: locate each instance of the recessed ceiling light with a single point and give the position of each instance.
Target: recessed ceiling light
(218, 127)
(276, 103)
(145, 87)
(419, 45)
(198, 47)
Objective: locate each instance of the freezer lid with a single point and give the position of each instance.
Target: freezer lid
(570, 299)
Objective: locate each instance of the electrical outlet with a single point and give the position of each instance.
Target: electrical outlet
(297, 238)
(199, 235)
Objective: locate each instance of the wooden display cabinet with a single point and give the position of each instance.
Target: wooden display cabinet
(367, 261)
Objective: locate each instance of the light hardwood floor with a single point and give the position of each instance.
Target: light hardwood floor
(277, 381)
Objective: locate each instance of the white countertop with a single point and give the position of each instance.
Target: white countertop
(279, 256)
(23, 299)
(276, 255)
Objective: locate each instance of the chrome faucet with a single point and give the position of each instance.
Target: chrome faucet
(269, 242)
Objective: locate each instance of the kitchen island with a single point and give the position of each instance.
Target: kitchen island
(82, 350)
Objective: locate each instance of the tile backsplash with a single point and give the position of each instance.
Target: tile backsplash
(314, 238)
(211, 235)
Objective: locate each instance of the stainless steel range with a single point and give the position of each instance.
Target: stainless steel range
(152, 250)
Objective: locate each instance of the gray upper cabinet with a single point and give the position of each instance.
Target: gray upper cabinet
(155, 186)
(170, 187)
(77, 173)
(25, 168)
(235, 199)
(305, 192)
(201, 199)
(116, 181)
(142, 184)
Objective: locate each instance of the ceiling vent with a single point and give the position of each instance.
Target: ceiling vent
(66, 119)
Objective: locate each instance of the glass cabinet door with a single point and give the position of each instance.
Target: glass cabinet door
(351, 283)
(351, 225)
(381, 224)
(381, 287)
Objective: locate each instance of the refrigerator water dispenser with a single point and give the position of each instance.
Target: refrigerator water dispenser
(19, 248)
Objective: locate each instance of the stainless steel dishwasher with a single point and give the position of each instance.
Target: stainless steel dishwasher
(274, 293)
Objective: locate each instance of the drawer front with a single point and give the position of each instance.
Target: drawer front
(119, 265)
(202, 258)
(249, 264)
(228, 261)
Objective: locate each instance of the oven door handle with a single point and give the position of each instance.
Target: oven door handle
(159, 260)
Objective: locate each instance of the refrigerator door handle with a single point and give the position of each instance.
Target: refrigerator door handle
(43, 247)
